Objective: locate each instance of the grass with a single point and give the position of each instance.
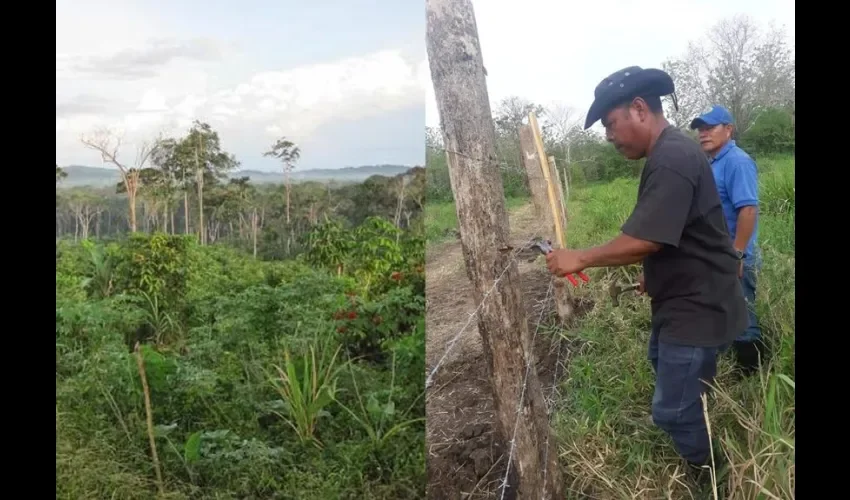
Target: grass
(441, 218)
(608, 445)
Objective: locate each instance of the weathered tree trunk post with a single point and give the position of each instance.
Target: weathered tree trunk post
(536, 181)
(457, 72)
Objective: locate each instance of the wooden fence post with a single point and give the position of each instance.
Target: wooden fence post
(545, 211)
(536, 181)
(457, 72)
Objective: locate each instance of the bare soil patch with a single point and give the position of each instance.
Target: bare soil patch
(465, 458)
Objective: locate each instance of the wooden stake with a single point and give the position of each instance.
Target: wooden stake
(140, 362)
(539, 189)
(563, 201)
(553, 204)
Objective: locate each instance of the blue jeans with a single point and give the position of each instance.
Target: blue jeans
(680, 372)
(748, 283)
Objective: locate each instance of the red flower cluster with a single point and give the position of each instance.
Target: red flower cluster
(345, 314)
(350, 313)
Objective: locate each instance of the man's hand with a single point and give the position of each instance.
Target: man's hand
(641, 289)
(562, 262)
(740, 268)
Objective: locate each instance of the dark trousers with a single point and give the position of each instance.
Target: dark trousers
(680, 372)
(748, 282)
(749, 347)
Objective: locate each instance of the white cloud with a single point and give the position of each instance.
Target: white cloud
(166, 97)
(152, 101)
(310, 96)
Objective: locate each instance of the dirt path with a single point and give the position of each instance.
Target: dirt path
(464, 460)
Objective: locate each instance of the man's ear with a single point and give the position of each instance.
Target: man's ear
(645, 112)
(640, 107)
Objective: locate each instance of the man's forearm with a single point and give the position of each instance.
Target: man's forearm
(621, 251)
(745, 226)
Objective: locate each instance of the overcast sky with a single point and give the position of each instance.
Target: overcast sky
(344, 78)
(556, 51)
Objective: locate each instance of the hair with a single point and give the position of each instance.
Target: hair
(653, 101)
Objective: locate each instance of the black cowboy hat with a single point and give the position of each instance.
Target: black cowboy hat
(625, 85)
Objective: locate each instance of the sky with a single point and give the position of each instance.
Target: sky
(344, 79)
(556, 52)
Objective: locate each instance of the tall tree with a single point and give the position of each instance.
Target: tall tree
(85, 205)
(108, 145)
(508, 117)
(202, 149)
(157, 192)
(175, 172)
(564, 127)
(737, 65)
(288, 153)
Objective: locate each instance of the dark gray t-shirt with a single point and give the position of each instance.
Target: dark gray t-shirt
(693, 280)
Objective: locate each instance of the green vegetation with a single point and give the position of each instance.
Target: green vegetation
(282, 359)
(602, 418)
(441, 218)
(609, 447)
(265, 377)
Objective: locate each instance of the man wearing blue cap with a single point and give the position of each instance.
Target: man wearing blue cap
(737, 184)
(677, 230)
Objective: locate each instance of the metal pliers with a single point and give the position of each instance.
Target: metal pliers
(545, 247)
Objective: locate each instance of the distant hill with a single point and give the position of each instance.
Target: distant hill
(79, 175)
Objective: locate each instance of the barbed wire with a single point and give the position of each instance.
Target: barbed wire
(506, 165)
(451, 343)
(529, 362)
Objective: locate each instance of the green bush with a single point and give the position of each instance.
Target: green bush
(220, 325)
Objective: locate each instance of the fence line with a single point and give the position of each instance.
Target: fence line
(508, 166)
(451, 343)
(528, 364)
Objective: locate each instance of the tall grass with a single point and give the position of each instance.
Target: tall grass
(441, 218)
(608, 445)
(306, 394)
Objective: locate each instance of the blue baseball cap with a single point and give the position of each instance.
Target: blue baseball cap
(717, 115)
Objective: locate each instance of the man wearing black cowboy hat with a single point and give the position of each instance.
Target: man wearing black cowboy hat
(678, 232)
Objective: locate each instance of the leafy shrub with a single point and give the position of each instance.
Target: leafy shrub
(367, 327)
(158, 265)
